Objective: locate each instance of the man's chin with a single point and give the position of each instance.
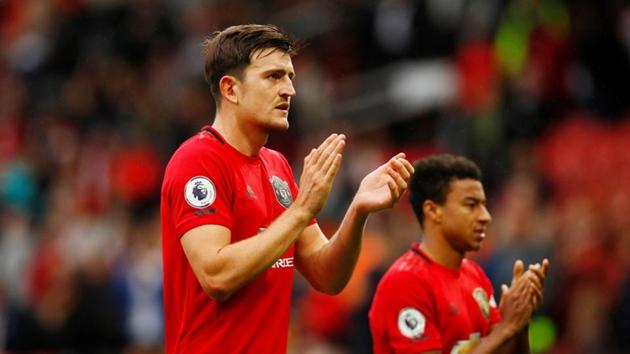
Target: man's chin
(476, 246)
(278, 126)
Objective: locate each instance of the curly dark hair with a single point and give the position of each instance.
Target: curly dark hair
(433, 176)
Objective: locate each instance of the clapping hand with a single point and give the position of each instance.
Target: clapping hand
(382, 188)
(524, 295)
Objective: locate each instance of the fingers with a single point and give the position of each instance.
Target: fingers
(393, 189)
(537, 296)
(327, 141)
(545, 266)
(534, 280)
(400, 155)
(518, 270)
(326, 158)
(537, 273)
(321, 166)
(331, 173)
(400, 182)
(325, 147)
(309, 157)
(504, 290)
(536, 276)
(534, 295)
(400, 164)
(331, 152)
(400, 171)
(408, 166)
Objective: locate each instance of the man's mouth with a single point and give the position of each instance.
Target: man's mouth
(481, 233)
(283, 106)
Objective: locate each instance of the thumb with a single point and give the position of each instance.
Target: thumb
(518, 270)
(504, 290)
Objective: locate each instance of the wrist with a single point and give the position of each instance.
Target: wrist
(357, 210)
(300, 213)
(505, 330)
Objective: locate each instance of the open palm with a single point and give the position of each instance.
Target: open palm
(382, 188)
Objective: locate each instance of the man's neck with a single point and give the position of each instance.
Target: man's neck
(247, 140)
(436, 246)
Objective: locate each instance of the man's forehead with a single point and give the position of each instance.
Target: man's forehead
(271, 57)
(464, 188)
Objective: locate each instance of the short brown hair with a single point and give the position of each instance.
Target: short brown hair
(229, 51)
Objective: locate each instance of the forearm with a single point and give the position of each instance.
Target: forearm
(236, 264)
(335, 262)
(517, 344)
(328, 263)
(496, 341)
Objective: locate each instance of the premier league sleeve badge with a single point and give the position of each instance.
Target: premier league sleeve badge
(200, 192)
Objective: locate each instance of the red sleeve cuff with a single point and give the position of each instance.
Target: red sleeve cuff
(190, 224)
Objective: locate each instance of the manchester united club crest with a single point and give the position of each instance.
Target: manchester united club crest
(282, 191)
(481, 298)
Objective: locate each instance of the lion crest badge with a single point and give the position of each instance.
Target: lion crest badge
(282, 191)
(200, 192)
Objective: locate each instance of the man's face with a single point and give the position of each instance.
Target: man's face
(464, 215)
(266, 90)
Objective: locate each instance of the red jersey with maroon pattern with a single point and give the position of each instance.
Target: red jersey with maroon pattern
(421, 306)
(207, 181)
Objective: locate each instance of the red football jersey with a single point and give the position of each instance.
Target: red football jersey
(421, 306)
(207, 181)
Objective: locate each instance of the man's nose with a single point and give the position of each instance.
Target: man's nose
(287, 89)
(485, 216)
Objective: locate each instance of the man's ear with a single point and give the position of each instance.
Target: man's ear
(432, 212)
(229, 87)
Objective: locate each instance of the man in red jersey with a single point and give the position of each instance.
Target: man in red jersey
(234, 224)
(432, 299)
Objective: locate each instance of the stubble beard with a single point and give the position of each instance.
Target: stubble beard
(275, 126)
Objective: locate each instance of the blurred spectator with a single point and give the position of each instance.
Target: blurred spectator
(138, 282)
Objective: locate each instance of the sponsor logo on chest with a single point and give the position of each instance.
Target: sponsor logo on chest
(283, 263)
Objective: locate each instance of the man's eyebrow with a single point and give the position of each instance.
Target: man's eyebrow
(291, 74)
(474, 199)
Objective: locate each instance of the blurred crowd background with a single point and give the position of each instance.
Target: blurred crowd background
(95, 95)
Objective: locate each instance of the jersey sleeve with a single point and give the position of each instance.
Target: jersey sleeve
(199, 192)
(403, 317)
